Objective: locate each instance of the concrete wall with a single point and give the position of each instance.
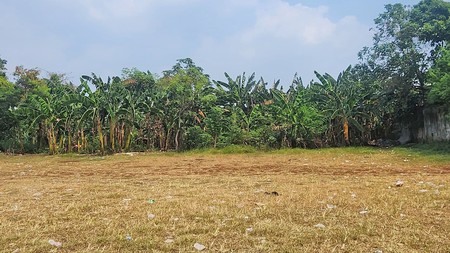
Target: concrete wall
(436, 125)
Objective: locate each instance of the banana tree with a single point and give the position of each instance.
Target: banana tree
(341, 101)
(93, 104)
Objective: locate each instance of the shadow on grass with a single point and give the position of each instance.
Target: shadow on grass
(438, 151)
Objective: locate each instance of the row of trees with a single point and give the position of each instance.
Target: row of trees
(405, 69)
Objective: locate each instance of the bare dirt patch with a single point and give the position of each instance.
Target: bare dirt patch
(325, 202)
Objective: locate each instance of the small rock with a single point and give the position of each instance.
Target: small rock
(353, 195)
(199, 246)
(55, 243)
(151, 216)
(399, 183)
(378, 251)
(249, 230)
(320, 225)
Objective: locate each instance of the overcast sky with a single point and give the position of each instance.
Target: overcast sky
(274, 38)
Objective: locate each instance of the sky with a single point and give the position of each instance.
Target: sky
(273, 38)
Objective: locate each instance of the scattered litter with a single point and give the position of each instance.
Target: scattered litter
(402, 215)
(272, 193)
(151, 216)
(16, 251)
(353, 195)
(199, 246)
(363, 212)
(422, 191)
(128, 238)
(151, 201)
(37, 195)
(169, 240)
(260, 204)
(246, 217)
(54, 243)
(330, 206)
(320, 225)
(249, 230)
(399, 183)
(378, 251)
(431, 184)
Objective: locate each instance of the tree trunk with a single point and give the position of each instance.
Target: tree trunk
(346, 137)
(112, 129)
(69, 141)
(176, 139)
(100, 136)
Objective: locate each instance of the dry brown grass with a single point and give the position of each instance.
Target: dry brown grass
(91, 204)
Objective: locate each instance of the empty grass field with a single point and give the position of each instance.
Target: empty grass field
(329, 200)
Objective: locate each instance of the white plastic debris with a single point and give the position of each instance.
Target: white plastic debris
(151, 216)
(399, 183)
(128, 238)
(169, 240)
(363, 212)
(54, 243)
(249, 230)
(199, 246)
(353, 195)
(378, 251)
(422, 191)
(330, 206)
(320, 225)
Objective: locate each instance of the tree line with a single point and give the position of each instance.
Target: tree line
(406, 69)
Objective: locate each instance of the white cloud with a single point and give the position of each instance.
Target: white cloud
(282, 20)
(285, 39)
(272, 37)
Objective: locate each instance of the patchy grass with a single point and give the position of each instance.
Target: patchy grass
(104, 204)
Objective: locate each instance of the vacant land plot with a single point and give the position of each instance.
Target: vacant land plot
(332, 200)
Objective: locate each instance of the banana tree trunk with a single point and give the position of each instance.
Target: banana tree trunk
(112, 129)
(51, 139)
(128, 139)
(100, 136)
(346, 137)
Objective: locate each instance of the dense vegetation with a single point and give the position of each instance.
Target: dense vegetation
(406, 69)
